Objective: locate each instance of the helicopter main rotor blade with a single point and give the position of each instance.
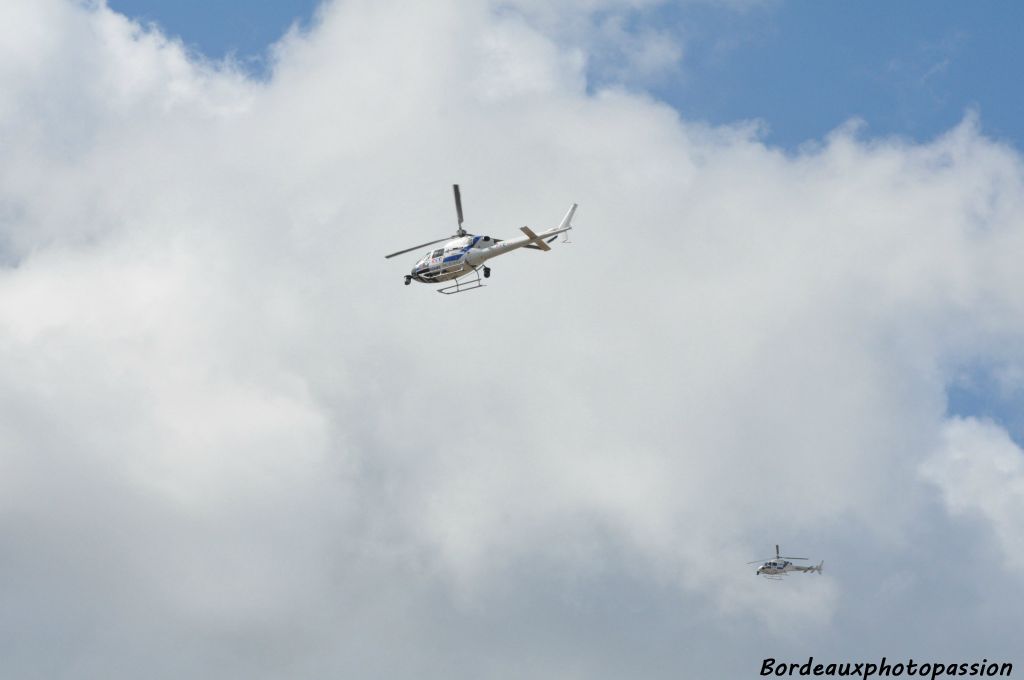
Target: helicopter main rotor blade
(783, 557)
(458, 207)
(422, 245)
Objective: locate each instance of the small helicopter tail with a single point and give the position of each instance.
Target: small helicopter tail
(567, 220)
(540, 241)
(566, 224)
(818, 568)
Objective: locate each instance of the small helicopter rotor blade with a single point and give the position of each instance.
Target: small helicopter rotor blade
(422, 245)
(458, 207)
(783, 557)
(759, 561)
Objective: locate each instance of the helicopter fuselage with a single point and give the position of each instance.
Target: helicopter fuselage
(781, 567)
(775, 568)
(464, 254)
(454, 259)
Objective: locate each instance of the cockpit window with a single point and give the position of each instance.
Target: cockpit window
(437, 253)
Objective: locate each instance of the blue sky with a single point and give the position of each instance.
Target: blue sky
(907, 68)
(220, 27)
(910, 68)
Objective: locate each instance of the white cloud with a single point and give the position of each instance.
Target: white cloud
(980, 472)
(231, 433)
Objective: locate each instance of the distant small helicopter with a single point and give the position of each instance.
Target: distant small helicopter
(780, 566)
(464, 254)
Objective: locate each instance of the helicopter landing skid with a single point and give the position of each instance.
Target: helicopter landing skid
(463, 286)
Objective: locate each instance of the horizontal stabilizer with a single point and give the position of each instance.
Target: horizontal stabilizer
(535, 240)
(533, 247)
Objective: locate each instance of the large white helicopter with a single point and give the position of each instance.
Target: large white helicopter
(780, 566)
(464, 254)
